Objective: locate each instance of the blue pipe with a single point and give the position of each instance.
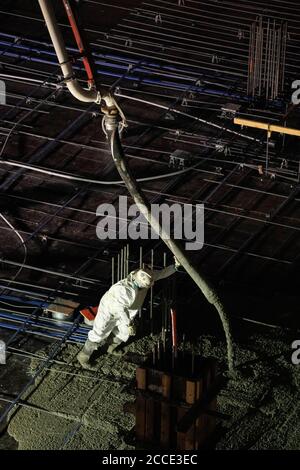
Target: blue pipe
(41, 292)
(130, 60)
(135, 78)
(50, 334)
(41, 321)
(210, 91)
(36, 303)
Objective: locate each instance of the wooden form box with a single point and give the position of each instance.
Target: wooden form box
(174, 405)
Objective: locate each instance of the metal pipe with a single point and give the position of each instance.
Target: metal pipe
(64, 61)
(17, 329)
(79, 42)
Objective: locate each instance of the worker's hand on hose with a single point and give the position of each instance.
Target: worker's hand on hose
(177, 264)
(132, 329)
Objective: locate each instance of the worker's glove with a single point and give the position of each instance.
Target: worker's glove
(177, 264)
(132, 330)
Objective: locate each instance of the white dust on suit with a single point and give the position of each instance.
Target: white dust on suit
(119, 305)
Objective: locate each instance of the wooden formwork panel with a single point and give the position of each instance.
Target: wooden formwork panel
(164, 399)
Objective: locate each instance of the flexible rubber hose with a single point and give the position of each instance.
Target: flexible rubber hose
(205, 286)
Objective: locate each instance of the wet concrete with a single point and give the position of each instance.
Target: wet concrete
(75, 409)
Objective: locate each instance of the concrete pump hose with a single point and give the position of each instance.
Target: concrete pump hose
(207, 289)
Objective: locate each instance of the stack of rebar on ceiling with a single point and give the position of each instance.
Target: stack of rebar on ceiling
(267, 51)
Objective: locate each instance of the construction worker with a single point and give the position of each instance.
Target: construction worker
(118, 308)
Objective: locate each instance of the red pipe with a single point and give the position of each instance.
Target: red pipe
(174, 328)
(79, 42)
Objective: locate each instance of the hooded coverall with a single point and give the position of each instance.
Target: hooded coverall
(119, 306)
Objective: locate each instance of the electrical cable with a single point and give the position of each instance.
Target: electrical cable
(23, 244)
(89, 180)
(17, 306)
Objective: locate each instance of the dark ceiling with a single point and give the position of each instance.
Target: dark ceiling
(193, 61)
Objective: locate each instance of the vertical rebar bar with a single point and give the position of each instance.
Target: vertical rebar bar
(140, 266)
(266, 56)
(260, 57)
(165, 297)
(118, 268)
(284, 43)
(250, 63)
(255, 58)
(163, 332)
(127, 260)
(151, 295)
(121, 264)
(269, 61)
(153, 354)
(124, 261)
(112, 270)
(273, 60)
(193, 359)
(267, 153)
(279, 60)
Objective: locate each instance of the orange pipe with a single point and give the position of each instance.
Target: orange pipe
(79, 42)
(174, 328)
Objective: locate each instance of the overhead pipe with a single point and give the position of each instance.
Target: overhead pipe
(112, 117)
(88, 96)
(17, 43)
(79, 43)
(131, 77)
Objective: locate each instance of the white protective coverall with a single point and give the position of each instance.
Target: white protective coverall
(119, 306)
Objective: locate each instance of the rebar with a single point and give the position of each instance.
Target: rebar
(266, 60)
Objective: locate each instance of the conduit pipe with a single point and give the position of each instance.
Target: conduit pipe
(88, 96)
(112, 116)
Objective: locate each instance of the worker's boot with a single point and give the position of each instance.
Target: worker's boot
(84, 355)
(115, 347)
